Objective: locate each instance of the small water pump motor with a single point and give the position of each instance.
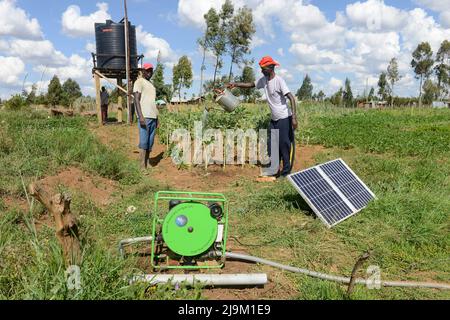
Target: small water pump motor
(191, 232)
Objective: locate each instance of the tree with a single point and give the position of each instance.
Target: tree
(158, 81)
(71, 92)
(430, 91)
(371, 94)
(306, 90)
(442, 69)
(383, 87)
(219, 43)
(54, 92)
(393, 76)
(16, 102)
(208, 39)
(240, 35)
(321, 96)
(336, 98)
(182, 75)
(248, 75)
(31, 97)
(422, 63)
(348, 95)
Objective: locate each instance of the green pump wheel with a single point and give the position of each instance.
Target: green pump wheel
(189, 229)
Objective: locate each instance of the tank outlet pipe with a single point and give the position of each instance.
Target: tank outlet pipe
(324, 276)
(131, 241)
(216, 280)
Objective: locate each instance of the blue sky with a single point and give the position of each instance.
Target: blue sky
(329, 40)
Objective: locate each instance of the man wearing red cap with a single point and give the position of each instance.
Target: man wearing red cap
(282, 117)
(147, 112)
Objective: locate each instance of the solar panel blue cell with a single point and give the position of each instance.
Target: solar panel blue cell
(360, 200)
(348, 184)
(337, 213)
(307, 177)
(333, 167)
(333, 190)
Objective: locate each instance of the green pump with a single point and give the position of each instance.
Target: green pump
(189, 228)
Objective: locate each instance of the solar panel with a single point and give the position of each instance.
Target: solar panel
(332, 190)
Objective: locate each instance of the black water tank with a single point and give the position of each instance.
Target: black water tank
(110, 41)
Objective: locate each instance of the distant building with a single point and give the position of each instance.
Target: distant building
(194, 100)
(441, 104)
(372, 104)
(177, 100)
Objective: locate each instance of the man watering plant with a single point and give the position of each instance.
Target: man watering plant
(282, 117)
(147, 112)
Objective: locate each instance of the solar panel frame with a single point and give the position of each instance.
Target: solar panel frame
(326, 178)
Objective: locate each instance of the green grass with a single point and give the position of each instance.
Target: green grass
(401, 154)
(33, 145)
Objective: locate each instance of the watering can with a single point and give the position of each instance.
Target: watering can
(227, 100)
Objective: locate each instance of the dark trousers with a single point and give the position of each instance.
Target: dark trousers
(104, 109)
(286, 138)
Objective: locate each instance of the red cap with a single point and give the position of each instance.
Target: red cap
(267, 61)
(148, 66)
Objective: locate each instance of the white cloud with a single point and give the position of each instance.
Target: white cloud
(335, 84)
(190, 12)
(257, 42)
(280, 52)
(153, 45)
(36, 51)
(76, 25)
(285, 74)
(445, 18)
(77, 68)
(435, 5)
(16, 23)
(422, 27)
(90, 47)
(374, 48)
(311, 55)
(11, 69)
(440, 6)
(374, 15)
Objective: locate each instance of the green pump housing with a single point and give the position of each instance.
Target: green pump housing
(189, 228)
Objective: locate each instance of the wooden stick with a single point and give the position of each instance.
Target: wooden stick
(97, 97)
(66, 224)
(119, 101)
(110, 81)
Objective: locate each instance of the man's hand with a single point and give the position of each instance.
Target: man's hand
(142, 122)
(294, 122)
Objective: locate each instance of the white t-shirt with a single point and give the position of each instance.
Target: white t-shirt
(276, 91)
(148, 96)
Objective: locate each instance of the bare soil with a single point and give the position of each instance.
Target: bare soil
(96, 188)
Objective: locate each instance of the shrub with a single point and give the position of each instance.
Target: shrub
(16, 102)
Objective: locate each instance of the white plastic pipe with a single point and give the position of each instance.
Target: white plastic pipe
(227, 279)
(324, 276)
(250, 279)
(130, 241)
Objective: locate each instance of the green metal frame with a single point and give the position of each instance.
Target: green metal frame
(188, 196)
